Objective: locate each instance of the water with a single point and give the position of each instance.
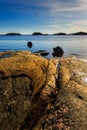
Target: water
(72, 45)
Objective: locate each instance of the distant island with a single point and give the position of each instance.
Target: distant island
(40, 34)
(37, 33)
(60, 33)
(79, 33)
(12, 34)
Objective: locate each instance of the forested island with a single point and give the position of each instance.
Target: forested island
(79, 33)
(61, 33)
(12, 34)
(41, 34)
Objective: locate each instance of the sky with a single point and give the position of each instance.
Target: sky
(45, 16)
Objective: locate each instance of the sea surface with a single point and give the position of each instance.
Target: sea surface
(71, 44)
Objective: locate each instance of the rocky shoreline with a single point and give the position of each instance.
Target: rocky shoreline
(37, 95)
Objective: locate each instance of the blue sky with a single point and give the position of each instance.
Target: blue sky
(46, 16)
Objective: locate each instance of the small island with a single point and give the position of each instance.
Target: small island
(45, 34)
(61, 33)
(37, 33)
(12, 34)
(79, 33)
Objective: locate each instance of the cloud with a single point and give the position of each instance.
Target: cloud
(68, 27)
(55, 15)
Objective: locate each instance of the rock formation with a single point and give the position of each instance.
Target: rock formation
(42, 94)
(57, 52)
(26, 82)
(29, 44)
(68, 110)
(42, 52)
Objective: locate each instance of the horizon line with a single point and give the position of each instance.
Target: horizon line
(62, 33)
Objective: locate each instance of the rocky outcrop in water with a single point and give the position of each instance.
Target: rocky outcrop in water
(42, 94)
(29, 44)
(42, 52)
(57, 52)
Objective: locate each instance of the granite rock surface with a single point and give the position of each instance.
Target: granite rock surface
(42, 94)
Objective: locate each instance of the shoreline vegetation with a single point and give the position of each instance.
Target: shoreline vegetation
(41, 34)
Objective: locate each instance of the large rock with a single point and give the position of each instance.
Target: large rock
(57, 52)
(41, 94)
(68, 109)
(26, 83)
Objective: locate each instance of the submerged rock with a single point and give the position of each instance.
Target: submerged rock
(37, 95)
(42, 52)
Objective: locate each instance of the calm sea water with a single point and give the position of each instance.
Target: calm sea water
(72, 45)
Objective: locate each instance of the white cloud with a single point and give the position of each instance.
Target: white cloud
(54, 15)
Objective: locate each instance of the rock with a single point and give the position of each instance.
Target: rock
(58, 52)
(70, 105)
(26, 83)
(73, 95)
(42, 52)
(29, 44)
(37, 95)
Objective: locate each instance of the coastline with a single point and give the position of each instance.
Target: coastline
(50, 92)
